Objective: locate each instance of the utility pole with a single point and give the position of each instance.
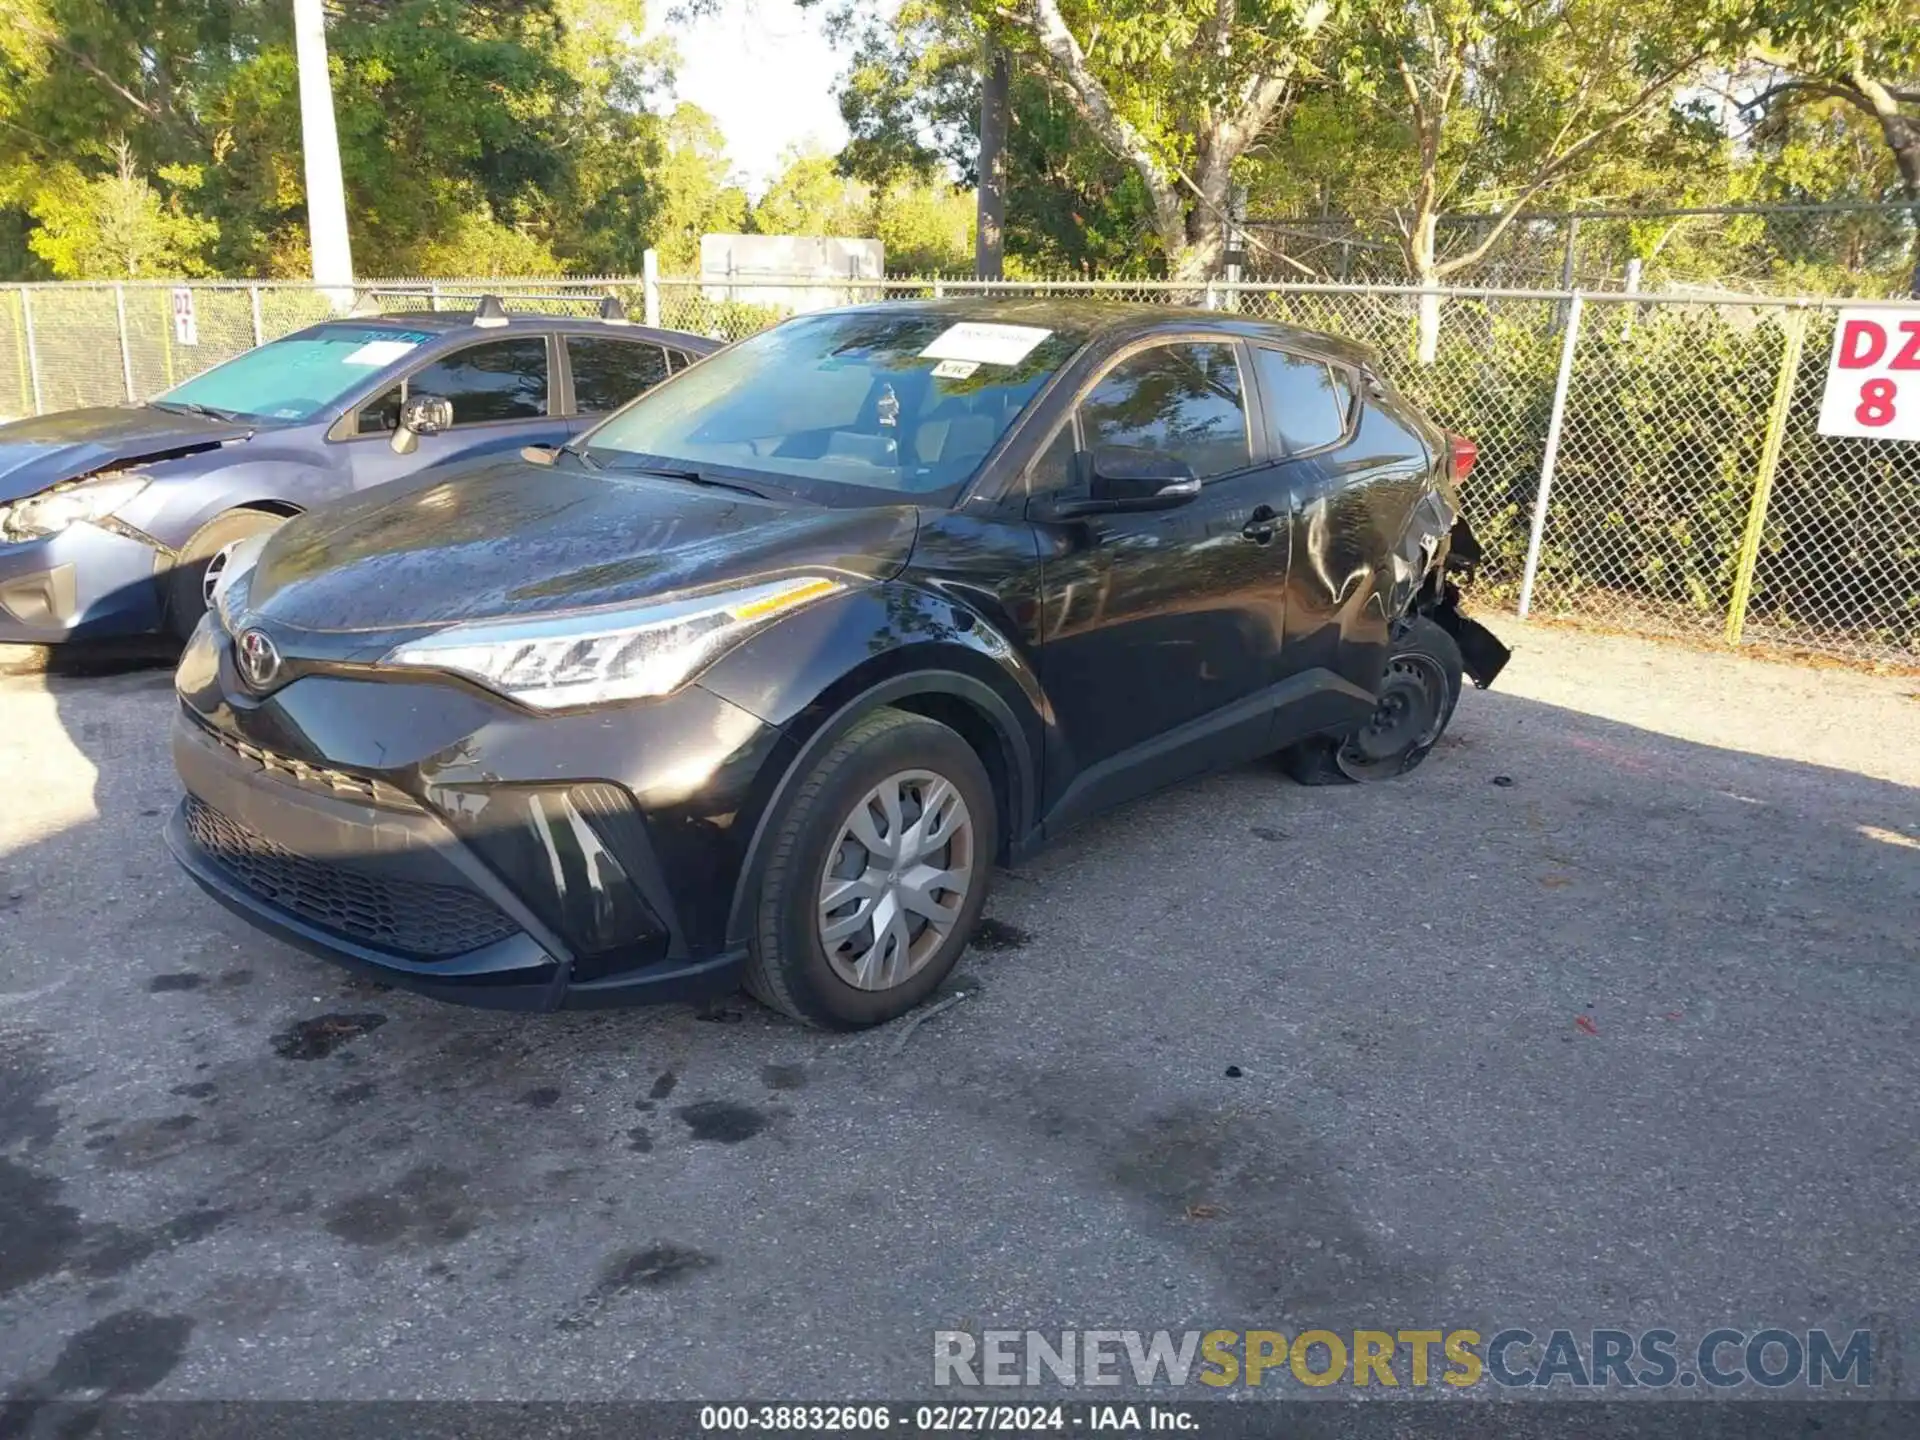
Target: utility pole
(990, 215)
(320, 145)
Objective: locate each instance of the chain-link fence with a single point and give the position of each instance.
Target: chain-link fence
(1647, 462)
(1833, 249)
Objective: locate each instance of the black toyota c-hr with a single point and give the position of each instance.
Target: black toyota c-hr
(759, 678)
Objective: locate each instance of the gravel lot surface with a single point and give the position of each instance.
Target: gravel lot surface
(1605, 1016)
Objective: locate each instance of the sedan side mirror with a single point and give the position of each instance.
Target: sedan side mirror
(421, 415)
(1130, 480)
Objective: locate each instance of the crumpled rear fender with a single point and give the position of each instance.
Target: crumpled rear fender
(1481, 652)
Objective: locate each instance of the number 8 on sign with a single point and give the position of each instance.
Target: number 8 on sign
(1873, 375)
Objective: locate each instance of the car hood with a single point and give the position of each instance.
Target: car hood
(47, 449)
(515, 539)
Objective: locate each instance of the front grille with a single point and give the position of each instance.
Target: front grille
(339, 783)
(404, 917)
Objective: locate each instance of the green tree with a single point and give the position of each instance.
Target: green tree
(1177, 93)
(911, 100)
(692, 192)
(1866, 56)
(1497, 105)
(117, 226)
(811, 197)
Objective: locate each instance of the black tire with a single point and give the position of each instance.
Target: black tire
(787, 966)
(1423, 668)
(186, 581)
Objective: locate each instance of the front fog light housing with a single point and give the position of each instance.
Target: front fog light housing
(66, 505)
(592, 657)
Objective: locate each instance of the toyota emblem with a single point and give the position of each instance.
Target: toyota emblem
(259, 661)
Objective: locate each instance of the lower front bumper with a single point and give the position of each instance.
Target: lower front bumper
(83, 583)
(515, 973)
(387, 888)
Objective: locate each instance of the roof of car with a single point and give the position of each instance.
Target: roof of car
(1095, 317)
(449, 321)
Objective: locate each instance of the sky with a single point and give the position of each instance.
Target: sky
(765, 71)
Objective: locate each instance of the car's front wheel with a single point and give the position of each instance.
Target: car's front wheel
(876, 875)
(1417, 697)
(197, 568)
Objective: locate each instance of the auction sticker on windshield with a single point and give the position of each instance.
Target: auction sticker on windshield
(1873, 375)
(378, 352)
(984, 344)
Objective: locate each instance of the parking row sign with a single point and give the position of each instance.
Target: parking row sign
(1873, 376)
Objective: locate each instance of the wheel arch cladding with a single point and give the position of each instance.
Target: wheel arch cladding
(964, 703)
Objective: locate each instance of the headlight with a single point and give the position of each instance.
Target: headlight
(52, 511)
(601, 655)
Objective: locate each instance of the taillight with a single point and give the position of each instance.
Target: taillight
(1465, 452)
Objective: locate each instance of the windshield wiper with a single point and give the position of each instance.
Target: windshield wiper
(695, 477)
(193, 407)
(581, 455)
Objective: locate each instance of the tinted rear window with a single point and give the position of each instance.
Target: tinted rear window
(1307, 400)
(608, 373)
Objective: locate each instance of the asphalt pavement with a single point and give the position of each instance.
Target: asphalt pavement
(1604, 1017)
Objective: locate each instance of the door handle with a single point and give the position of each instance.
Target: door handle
(1261, 525)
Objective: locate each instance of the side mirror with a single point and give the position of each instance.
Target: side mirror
(1132, 480)
(420, 415)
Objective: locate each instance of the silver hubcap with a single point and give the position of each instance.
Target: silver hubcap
(216, 567)
(896, 880)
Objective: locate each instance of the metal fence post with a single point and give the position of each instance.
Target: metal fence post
(1213, 297)
(1763, 484)
(33, 350)
(253, 304)
(126, 348)
(650, 286)
(939, 288)
(1547, 462)
(433, 295)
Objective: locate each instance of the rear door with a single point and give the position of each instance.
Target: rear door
(1353, 472)
(610, 370)
(502, 394)
(1162, 630)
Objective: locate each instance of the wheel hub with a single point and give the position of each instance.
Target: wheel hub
(896, 880)
(1407, 717)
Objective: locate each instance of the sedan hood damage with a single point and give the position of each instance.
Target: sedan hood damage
(510, 539)
(43, 451)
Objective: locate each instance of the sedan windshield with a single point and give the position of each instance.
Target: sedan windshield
(296, 378)
(908, 401)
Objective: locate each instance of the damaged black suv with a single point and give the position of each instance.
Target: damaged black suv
(757, 680)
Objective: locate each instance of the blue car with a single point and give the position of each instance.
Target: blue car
(116, 521)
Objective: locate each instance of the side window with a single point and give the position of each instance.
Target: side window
(677, 361)
(1182, 399)
(1307, 400)
(380, 415)
(1053, 469)
(500, 380)
(608, 373)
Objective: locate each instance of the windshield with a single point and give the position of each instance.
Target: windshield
(296, 378)
(905, 401)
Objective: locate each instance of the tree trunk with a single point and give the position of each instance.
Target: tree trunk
(1198, 257)
(1902, 134)
(1426, 274)
(989, 243)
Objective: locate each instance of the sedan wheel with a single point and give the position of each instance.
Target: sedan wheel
(896, 880)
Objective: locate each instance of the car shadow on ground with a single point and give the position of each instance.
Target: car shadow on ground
(1522, 1036)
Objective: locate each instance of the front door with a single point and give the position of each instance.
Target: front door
(502, 396)
(1162, 631)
